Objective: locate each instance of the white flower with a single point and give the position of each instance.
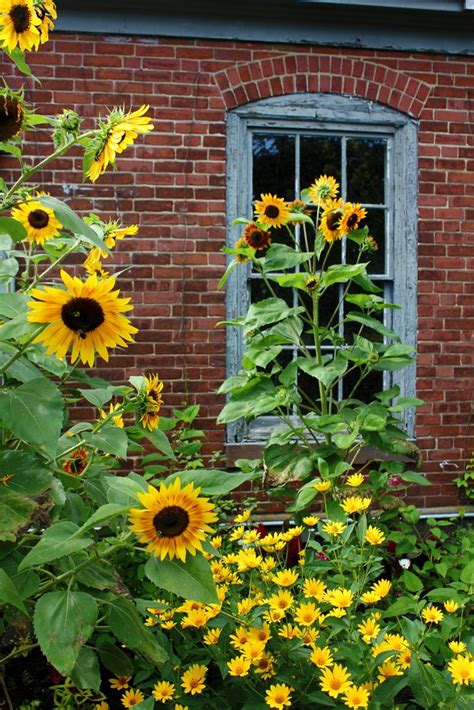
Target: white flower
(404, 562)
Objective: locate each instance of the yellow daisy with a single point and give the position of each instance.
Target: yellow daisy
(103, 705)
(432, 615)
(355, 480)
(278, 696)
(306, 614)
(285, 578)
(193, 681)
(311, 520)
(132, 697)
(457, 646)
(321, 657)
(462, 669)
(388, 669)
(374, 536)
(355, 504)
(356, 697)
(239, 666)
(19, 25)
(173, 521)
(163, 691)
(120, 682)
(212, 637)
(322, 486)
(335, 680)
(324, 188)
(242, 517)
(333, 527)
(340, 597)
(381, 588)
(39, 221)
(87, 316)
(451, 606)
(314, 588)
(369, 629)
(271, 211)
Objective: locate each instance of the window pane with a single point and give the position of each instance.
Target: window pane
(365, 391)
(273, 165)
(376, 223)
(260, 291)
(320, 155)
(366, 170)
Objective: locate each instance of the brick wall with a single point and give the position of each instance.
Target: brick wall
(173, 185)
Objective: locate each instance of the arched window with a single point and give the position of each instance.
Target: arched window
(281, 145)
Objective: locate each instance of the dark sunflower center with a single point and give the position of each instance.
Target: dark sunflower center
(352, 220)
(21, 18)
(272, 211)
(257, 238)
(38, 219)
(82, 315)
(11, 116)
(332, 220)
(171, 521)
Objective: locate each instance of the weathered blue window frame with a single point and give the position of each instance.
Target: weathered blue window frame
(329, 114)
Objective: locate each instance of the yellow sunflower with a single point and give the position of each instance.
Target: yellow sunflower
(151, 403)
(46, 11)
(323, 189)
(39, 221)
(271, 211)
(114, 135)
(255, 237)
(352, 217)
(331, 220)
(19, 25)
(86, 315)
(93, 265)
(12, 114)
(173, 521)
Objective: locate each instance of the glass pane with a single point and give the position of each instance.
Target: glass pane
(376, 223)
(259, 291)
(327, 306)
(366, 389)
(320, 155)
(309, 390)
(366, 170)
(273, 165)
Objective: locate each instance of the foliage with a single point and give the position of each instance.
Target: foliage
(464, 482)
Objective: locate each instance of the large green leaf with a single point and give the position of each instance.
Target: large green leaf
(15, 511)
(212, 483)
(160, 441)
(249, 400)
(323, 373)
(270, 310)
(33, 412)
(29, 474)
(57, 541)
(127, 626)
(372, 323)
(70, 220)
(341, 273)
(114, 659)
(123, 489)
(12, 304)
(63, 622)
(14, 229)
(191, 579)
(101, 515)
(86, 672)
(280, 257)
(9, 593)
(110, 438)
(99, 396)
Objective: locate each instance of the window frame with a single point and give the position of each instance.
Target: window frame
(327, 113)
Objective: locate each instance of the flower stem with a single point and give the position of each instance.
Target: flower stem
(21, 349)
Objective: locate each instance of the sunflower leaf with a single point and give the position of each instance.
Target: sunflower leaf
(160, 441)
(70, 220)
(110, 439)
(9, 593)
(15, 511)
(12, 228)
(191, 579)
(63, 622)
(127, 626)
(18, 57)
(86, 673)
(57, 541)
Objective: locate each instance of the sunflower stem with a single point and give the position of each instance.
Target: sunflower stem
(35, 168)
(52, 266)
(21, 349)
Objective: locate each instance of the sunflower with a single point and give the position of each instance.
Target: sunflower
(12, 114)
(353, 215)
(93, 265)
(86, 315)
(151, 402)
(173, 521)
(114, 135)
(39, 221)
(77, 462)
(19, 25)
(331, 220)
(46, 11)
(311, 283)
(255, 237)
(272, 211)
(323, 189)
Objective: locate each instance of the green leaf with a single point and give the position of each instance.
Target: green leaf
(114, 659)
(57, 541)
(191, 579)
(15, 511)
(280, 257)
(160, 441)
(101, 515)
(372, 323)
(14, 229)
(270, 310)
(70, 220)
(12, 304)
(98, 574)
(227, 273)
(305, 496)
(110, 438)
(341, 273)
(404, 402)
(212, 483)
(245, 402)
(63, 622)
(123, 489)
(412, 582)
(296, 280)
(10, 148)
(414, 477)
(323, 373)
(34, 412)
(18, 57)
(403, 605)
(86, 672)
(29, 474)
(9, 593)
(147, 704)
(127, 626)
(99, 396)
(467, 573)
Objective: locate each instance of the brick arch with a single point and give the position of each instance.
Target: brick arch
(325, 73)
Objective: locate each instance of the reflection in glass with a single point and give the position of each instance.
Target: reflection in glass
(366, 170)
(273, 165)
